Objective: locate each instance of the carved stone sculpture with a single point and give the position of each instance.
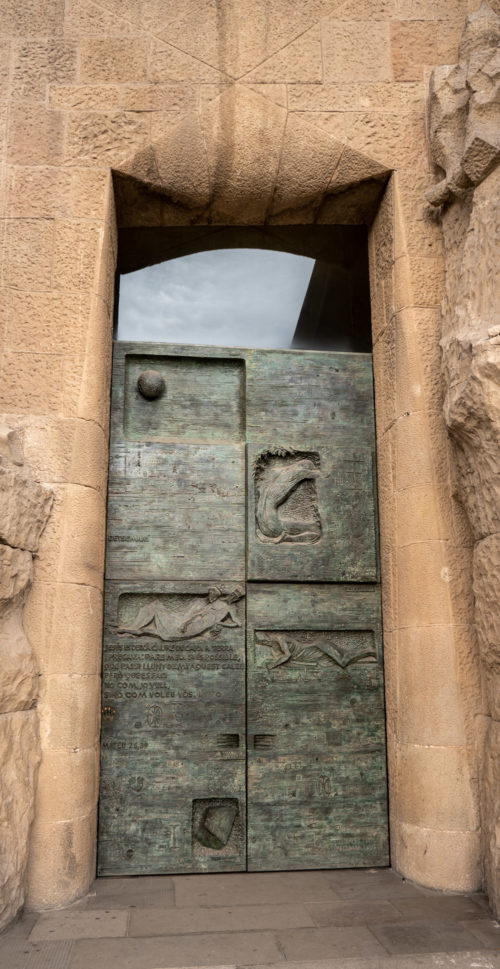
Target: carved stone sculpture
(464, 105)
(464, 130)
(319, 648)
(24, 509)
(206, 615)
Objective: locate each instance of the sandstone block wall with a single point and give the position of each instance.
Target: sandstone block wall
(232, 111)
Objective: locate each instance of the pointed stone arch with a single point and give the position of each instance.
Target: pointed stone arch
(242, 160)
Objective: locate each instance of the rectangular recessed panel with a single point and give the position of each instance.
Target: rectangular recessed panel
(311, 513)
(173, 684)
(202, 399)
(316, 767)
(176, 511)
(218, 830)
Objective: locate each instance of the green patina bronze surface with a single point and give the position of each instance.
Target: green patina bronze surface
(243, 713)
(316, 732)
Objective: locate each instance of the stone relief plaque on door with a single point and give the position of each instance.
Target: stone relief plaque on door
(311, 514)
(285, 496)
(332, 649)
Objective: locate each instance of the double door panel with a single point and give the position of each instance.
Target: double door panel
(243, 719)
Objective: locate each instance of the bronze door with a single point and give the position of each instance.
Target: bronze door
(243, 714)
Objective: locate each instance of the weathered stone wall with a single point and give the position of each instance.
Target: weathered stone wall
(24, 509)
(465, 138)
(232, 111)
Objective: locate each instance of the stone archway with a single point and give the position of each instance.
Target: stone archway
(243, 160)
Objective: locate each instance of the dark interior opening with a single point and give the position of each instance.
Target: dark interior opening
(335, 308)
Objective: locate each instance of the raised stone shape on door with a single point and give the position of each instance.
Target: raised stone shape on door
(286, 497)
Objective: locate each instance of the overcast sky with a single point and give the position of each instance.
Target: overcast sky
(227, 297)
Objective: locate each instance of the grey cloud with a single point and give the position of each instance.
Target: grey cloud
(226, 297)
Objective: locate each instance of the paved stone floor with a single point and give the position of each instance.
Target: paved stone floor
(368, 919)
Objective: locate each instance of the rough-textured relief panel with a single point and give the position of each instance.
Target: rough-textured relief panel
(315, 728)
(177, 465)
(319, 649)
(311, 513)
(285, 496)
(464, 124)
(24, 509)
(188, 400)
(178, 617)
(217, 827)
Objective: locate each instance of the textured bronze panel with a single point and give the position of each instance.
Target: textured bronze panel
(176, 493)
(316, 728)
(176, 511)
(202, 400)
(311, 513)
(173, 684)
(310, 428)
(310, 397)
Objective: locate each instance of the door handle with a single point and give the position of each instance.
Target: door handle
(263, 741)
(228, 740)
(260, 741)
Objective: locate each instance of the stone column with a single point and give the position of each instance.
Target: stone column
(433, 692)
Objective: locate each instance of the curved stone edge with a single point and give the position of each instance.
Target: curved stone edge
(241, 161)
(464, 126)
(24, 510)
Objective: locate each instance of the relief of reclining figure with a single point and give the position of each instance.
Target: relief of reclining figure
(156, 619)
(285, 649)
